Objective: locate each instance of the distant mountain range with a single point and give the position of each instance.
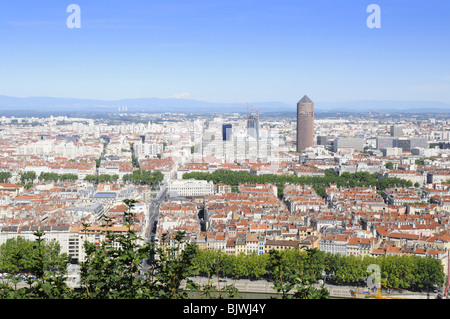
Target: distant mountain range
(387, 106)
(158, 105)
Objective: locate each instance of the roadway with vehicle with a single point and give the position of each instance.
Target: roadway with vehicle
(152, 221)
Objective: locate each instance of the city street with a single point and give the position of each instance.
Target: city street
(259, 288)
(152, 219)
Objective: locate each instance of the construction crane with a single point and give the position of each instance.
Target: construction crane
(248, 112)
(248, 115)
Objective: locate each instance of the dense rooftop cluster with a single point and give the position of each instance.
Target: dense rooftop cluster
(59, 173)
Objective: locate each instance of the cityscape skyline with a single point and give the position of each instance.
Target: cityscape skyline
(142, 140)
(363, 188)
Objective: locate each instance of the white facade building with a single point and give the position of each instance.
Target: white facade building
(191, 187)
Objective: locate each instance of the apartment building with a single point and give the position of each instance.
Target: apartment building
(280, 245)
(401, 196)
(335, 244)
(190, 188)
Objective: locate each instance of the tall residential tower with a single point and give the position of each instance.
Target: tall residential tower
(305, 123)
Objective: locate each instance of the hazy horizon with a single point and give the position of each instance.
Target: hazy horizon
(155, 104)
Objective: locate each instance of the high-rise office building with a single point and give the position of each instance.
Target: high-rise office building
(384, 142)
(322, 140)
(348, 142)
(407, 144)
(305, 123)
(396, 131)
(226, 132)
(253, 126)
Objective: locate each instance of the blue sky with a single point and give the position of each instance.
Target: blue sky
(226, 51)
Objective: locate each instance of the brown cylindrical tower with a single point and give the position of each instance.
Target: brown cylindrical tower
(305, 123)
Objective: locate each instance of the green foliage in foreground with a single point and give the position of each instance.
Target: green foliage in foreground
(113, 269)
(403, 272)
(43, 260)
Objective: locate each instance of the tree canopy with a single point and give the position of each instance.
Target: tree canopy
(319, 183)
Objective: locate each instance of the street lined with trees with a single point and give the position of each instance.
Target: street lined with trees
(319, 183)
